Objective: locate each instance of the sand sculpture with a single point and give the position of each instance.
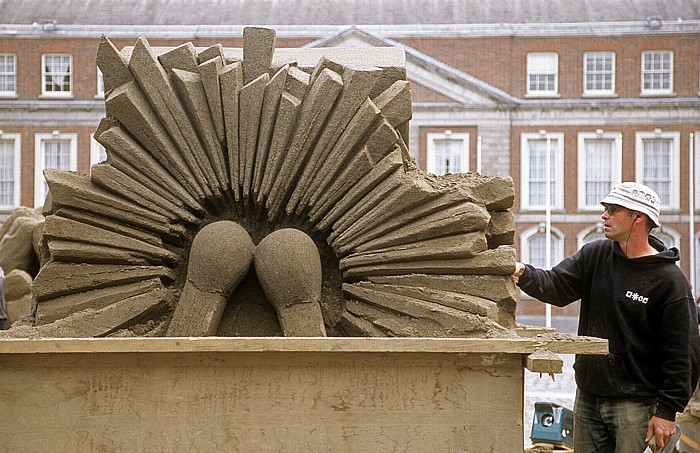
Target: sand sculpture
(263, 191)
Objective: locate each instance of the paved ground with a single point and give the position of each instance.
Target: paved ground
(560, 391)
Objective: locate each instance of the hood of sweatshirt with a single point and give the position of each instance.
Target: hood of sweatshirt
(665, 255)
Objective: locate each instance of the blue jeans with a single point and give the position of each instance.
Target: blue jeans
(611, 425)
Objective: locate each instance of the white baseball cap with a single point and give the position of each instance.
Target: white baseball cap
(636, 197)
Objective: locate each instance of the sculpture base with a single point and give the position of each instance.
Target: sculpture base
(266, 394)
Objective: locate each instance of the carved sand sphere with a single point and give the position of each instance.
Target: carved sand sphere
(289, 269)
(220, 256)
(294, 159)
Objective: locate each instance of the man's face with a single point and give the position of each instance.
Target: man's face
(617, 221)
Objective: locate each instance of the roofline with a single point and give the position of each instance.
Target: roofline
(665, 27)
(486, 89)
(421, 59)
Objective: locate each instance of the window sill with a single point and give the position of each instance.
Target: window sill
(9, 96)
(542, 95)
(541, 209)
(99, 97)
(600, 96)
(57, 97)
(669, 94)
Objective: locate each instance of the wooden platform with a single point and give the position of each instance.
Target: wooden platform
(268, 394)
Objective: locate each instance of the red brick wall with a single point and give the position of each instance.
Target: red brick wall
(421, 93)
(628, 155)
(502, 61)
(489, 59)
(84, 50)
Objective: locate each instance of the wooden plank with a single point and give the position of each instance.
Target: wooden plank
(544, 361)
(262, 402)
(566, 345)
(526, 331)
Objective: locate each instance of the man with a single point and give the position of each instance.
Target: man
(633, 294)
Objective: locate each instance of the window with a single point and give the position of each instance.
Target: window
(100, 85)
(53, 150)
(657, 72)
(8, 75)
(668, 236)
(591, 234)
(599, 73)
(542, 72)
(97, 152)
(448, 153)
(56, 75)
(9, 171)
(534, 244)
(658, 165)
(600, 166)
(534, 174)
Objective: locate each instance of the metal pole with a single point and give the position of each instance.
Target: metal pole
(691, 213)
(478, 153)
(548, 223)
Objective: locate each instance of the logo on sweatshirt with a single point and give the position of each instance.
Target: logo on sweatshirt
(636, 297)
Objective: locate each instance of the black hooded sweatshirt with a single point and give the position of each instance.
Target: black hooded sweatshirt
(644, 308)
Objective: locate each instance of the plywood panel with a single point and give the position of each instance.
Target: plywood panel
(261, 401)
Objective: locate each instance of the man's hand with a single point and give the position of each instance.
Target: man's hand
(661, 428)
(519, 269)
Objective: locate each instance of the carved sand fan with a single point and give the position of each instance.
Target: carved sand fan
(269, 140)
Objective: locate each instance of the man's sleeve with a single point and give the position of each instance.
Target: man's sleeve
(559, 286)
(681, 346)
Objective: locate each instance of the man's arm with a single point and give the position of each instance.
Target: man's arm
(559, 286)
(680, 348)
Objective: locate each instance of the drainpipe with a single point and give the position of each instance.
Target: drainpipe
(478, 153)
(691, 212)
(548, 220)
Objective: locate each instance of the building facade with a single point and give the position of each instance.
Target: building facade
(609, 96)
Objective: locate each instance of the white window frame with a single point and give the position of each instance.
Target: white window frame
(616, 164)
(100, 85)
(13, 75)
(659, 91)
(557, 150)
(44, 74)
(96, 150)
(663, 232)
(39, 159)
(674, 165)
(17, 163)
(598, 92)
(431, 138)
(557, 243)
(598, 230)
(530, 71)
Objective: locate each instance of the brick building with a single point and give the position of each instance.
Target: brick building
(610, 89)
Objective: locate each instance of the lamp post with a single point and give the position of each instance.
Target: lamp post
(478, 154)
(548, 218)
(691, 212)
